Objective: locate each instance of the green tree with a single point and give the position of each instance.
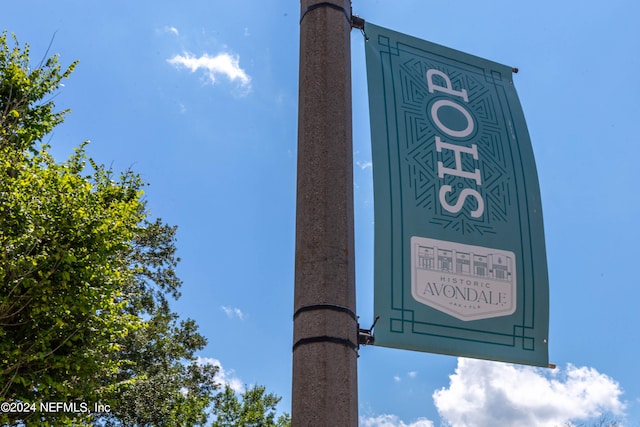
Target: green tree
(254, 408)
(25, 117)
(85, 277)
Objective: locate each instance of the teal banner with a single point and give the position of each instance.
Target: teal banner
(460, 263)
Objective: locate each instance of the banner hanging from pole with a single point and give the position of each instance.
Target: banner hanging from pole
(460, 262)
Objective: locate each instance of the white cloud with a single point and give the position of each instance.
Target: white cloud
(487, 394)
(222, 64)
(232, 312)
(172, 30)
(224, 376)
(392, 421)
(364, 165)
(410, 375)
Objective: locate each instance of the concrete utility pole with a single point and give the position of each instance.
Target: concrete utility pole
(325, 336)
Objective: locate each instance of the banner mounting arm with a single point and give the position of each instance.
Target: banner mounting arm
(358, 23)
(365, 336)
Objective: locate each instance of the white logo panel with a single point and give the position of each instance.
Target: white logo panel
(465, 281)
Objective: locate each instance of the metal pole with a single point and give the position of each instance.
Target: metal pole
(325, 335)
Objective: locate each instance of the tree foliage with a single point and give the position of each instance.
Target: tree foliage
(85, 277)
(25, 117)
(254, 408)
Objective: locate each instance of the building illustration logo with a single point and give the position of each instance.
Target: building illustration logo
(465, 281)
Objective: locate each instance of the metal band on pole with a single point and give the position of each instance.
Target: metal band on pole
(347, 343)
(333, 307)
(325, 329)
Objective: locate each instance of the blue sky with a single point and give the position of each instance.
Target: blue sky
(200, 98)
